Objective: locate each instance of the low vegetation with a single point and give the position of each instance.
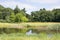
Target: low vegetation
(24, 27)
(19, 36)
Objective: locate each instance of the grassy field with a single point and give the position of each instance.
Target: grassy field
(18, 36)
(30, 24)
(41, 36)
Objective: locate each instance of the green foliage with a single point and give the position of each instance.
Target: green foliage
(12, 17)
(44, 15)
(1, 8)
(20, 15)
(16, 10)
(21, 18)
(24, 19)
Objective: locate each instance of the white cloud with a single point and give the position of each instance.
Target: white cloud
(53, 7)
(43, 1)
(57, 7)
(29, 8)
(12, 4)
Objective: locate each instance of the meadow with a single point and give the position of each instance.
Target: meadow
(18, 36)
(29, 24)
(52, 31)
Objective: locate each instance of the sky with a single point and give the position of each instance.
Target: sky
(31, 5)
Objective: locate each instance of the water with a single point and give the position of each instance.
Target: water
(49, 35)
(29, 32)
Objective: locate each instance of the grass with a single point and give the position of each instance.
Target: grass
(18, 36)
(24, 25)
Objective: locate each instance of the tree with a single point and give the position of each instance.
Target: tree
(24, 10)
(12, 17)
(20, 18)
(1, 11)
(16, 10)
(29, 17)
(56, 13)
(1, 8)
(42, 15)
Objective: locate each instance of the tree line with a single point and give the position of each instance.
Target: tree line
(20, 15)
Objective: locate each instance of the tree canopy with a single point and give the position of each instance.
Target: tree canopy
(20, 15)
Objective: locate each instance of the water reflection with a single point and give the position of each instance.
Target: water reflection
(49, 35)
(29, 32)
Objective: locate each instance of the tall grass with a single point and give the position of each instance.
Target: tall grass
(31, 24)
(27, 26)
(18, 36)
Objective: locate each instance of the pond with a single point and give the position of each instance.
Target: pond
(49, 35)
(29, 32)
